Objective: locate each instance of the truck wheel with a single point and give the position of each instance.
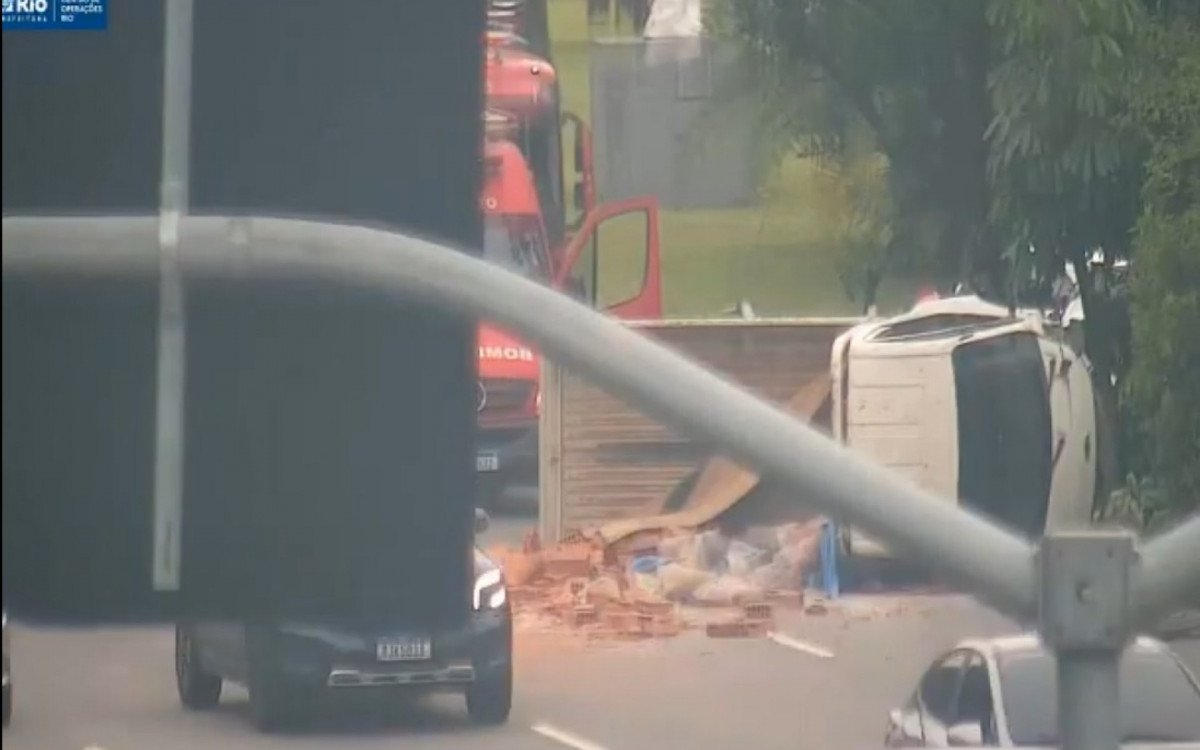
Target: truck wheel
(489, 700)
(198, 690)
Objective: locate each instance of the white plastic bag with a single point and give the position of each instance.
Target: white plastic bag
(726, 590)
(679, 582)
(743, 558)
(777, 574)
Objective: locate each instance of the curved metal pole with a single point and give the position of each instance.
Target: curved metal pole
(1168, 576)
(996, 565)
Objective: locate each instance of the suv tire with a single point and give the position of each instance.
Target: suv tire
(489, 700)
(198, 690)
(272, 698)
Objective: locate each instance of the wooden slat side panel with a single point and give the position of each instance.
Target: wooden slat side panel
(618, 463)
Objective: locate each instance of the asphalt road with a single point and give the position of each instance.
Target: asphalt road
(828, 684)
(113, 688)
(829, 687)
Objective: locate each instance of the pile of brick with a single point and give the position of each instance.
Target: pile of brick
(584, 585)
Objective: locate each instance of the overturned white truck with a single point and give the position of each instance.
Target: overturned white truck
(974, 405)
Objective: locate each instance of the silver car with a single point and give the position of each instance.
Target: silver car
(1001, 692)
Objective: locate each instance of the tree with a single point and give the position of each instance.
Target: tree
(1164, 386)
(1065, 167)
(866, 221)
(1019, 136)
(915, 78)
(1064, 162)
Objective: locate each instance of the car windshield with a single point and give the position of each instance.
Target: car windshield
(516, 243)
(1158, 701)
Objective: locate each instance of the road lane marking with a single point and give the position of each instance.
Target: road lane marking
(564, 737)
(808, 648)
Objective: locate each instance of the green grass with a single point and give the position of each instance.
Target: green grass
(780, 255)
(569, 39)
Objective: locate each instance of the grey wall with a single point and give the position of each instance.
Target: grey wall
(664, 123)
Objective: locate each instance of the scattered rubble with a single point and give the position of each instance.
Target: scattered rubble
(567, 561)
(816, 608)
(583, 614)
(637, 588)
(786, 598)
(733, 628)
(759, 611)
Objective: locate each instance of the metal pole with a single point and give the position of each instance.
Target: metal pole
(996, 564)
(1086, 583)
(1085, 618)
(1088, 699)
(172, 323)
(1084, 587)
(1168, 577)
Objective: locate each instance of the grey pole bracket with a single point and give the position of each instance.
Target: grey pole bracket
(1085, 599)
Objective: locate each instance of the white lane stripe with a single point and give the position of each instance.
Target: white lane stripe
(808, 648)
(564, 737)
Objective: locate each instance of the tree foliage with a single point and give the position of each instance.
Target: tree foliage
(914, 77)
(1065, 161)
(1164, 387)
(1019, 136)
(864, 227)
(1061, 156)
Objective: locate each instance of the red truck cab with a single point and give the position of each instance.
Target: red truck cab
(508, 394)
(526, 231)
(527, 19)
(508, 369)
(524, 87)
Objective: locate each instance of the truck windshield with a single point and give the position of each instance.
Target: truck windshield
(518, 244)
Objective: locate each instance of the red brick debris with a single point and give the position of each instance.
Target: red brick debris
(758, 611)
(735, 628)
(584, 585)
(580, 586)
(738, 627)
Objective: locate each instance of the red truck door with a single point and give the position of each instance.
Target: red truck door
(613, 260)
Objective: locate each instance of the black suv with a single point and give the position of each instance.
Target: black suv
(282, 664)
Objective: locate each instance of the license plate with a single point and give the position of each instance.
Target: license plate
(487, 462)
(406, 648)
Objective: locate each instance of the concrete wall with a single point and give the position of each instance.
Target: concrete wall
(664, 123)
